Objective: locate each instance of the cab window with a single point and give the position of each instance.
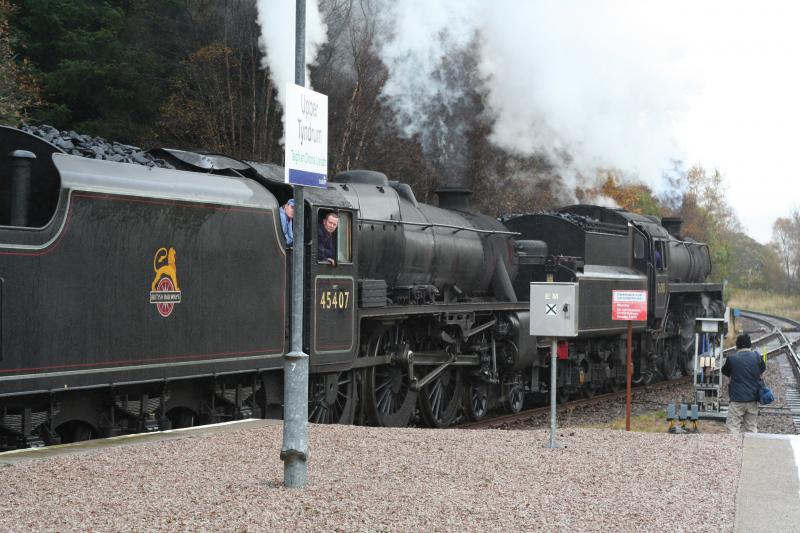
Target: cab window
(638, 246)
(327, 230)
(344, 239)
(334, 237)
(660, 256)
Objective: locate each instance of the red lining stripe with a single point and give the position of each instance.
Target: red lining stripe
(132, 361)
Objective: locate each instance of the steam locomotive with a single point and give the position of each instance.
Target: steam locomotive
(135, 298)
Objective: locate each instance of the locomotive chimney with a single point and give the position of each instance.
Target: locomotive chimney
(22, 161)
(672, 225)
(456, 198)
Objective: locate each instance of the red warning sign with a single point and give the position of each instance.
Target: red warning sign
(628, 305)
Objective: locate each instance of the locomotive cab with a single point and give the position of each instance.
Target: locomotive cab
(331, 271)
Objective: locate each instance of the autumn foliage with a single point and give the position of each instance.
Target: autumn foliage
(19, 88)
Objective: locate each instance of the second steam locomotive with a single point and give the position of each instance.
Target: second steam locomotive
(136, 298)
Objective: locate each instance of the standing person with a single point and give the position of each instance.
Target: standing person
(287, 220)
(744, 369)
(325, 248)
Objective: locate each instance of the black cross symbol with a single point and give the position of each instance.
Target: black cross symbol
(551, 309)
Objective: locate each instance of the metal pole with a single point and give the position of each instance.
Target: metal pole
(294, 452)
(553, 386)
(630, 375)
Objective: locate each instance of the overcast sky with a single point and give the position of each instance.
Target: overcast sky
(745, 117)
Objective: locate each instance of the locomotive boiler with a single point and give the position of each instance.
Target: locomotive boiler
(146, 296)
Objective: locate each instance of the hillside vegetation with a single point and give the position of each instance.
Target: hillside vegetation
(110, 69)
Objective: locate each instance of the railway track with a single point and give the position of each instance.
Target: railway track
(783, 337)
(774, 336)
(503, 420)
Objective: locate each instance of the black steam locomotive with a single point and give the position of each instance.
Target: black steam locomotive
(135, 298)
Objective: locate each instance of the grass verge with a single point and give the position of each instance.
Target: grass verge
(765, 302)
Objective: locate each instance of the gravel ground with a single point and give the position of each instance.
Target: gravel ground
(372, 479)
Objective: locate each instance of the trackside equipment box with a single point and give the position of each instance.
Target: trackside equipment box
(554, 309)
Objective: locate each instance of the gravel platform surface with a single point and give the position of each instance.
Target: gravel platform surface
(372, 479)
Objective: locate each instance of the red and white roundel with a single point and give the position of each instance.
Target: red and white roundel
(165, 308)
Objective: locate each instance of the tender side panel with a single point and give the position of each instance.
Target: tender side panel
(607, 249)
(595, 293)
(78, 311)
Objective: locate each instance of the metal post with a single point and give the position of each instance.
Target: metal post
(696, 365)
(294, 452)
(553, 386)
(629, 373)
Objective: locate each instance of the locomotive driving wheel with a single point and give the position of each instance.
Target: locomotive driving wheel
(514, 399)
(686, 358)
(669, 352)
(388, 398)
(669, 363)
(439, 400)
(331, 398)
(476, 400)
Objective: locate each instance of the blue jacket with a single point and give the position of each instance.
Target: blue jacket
(286, 224)
(745, 369)
(324, 244)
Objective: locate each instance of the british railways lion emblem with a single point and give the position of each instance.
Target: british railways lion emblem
(164, 291)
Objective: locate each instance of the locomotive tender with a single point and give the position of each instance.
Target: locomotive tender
(137, 298)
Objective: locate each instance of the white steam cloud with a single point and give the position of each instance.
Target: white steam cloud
(277, 21)
(589, 84)
(628, 84)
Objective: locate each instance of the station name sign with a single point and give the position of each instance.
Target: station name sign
(306, 131)
(629, 305)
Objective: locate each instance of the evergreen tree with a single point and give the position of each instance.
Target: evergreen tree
(104, 65)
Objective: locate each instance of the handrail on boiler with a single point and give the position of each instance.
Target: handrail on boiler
(426, 225)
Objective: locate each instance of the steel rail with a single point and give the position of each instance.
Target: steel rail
(786, 346)
(502, 420)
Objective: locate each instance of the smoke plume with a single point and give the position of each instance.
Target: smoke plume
(277, 21)
(587, 84)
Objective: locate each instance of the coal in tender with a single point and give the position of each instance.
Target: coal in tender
(94, 147)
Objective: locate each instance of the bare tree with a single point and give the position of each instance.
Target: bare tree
(352, 76)
(222, 100)
(782, 242)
